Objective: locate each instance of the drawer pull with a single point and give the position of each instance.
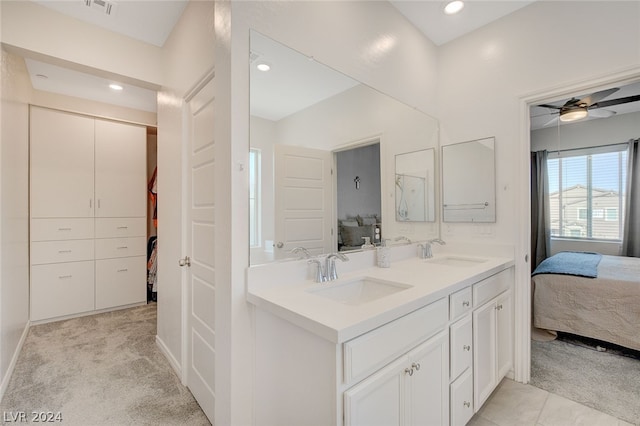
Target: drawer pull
(499, 307)
(122, 247)
(466, 348)
(64, 251)
(467, 404)
(416, 365)
(123, 270)
(408, 371)
(64, 229)
(64, 277)
(122, 227)
(465, 303)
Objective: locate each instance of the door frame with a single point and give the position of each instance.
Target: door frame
(522, 293)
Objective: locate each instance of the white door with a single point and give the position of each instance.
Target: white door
(199, 250)
(303, 200)
(121, 174)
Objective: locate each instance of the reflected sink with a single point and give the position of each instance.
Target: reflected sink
(359, 290)
(457, 261)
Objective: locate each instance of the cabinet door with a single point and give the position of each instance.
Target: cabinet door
(121, 189)
(378, 400)
(428, 386)
(504, 325)
(484, 353)
(61, 164)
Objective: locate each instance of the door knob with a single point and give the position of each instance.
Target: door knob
(185, 262)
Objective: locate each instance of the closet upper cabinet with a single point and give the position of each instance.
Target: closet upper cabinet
(120, 179)
(62, 152)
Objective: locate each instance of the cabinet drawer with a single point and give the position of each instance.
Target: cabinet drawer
(490, 287)
(61, 289)
(461, 337)
(462, 399)
(121, 227)
(61, 251)
(108, 248)
(367, 353)
(61, 229)
(460, 303)
(121, 281)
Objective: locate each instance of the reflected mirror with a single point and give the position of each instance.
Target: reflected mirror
(303, 116)
(468, 181)
(415, 186)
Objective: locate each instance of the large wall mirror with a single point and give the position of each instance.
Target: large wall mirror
(323, 151)
(468, 181)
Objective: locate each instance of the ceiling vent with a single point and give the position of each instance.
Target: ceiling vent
(106, 7)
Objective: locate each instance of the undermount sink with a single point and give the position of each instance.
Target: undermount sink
(457, 261)
(359, 290)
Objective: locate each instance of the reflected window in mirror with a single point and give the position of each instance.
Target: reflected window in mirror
(468, 181)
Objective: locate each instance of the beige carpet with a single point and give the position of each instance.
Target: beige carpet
(102, 369)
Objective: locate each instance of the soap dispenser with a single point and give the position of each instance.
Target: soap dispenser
(383, 255)
(367, 243)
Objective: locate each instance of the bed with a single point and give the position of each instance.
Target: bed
(590, 295)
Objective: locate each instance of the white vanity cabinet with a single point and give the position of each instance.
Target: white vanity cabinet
(492, 334)
(412, 390)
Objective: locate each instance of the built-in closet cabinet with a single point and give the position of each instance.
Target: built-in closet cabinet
(88, 213)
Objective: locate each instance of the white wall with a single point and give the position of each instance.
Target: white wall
(187, 57)
(484, 79)
(15, 94)
(369, 41)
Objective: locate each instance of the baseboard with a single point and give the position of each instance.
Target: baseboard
(14, 359)
(167, 353)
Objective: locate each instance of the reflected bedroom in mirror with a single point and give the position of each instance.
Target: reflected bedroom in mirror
(323, 155)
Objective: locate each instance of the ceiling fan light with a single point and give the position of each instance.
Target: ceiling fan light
(573, 114)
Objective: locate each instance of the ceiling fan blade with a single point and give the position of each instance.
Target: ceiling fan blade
(595, 97)
(601, 113)
(550, 106)
(611, 102)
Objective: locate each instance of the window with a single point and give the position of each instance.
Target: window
(587, 192)
(254, 198)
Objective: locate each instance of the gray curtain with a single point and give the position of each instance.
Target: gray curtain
(631, 237)
(540, 222)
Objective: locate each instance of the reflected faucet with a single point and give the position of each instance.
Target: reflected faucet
(304, 251)
(330, 265)
(402, 238)
(425, 252)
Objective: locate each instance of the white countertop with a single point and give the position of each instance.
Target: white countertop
(294, 301)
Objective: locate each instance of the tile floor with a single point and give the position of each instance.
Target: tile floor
(515, 404)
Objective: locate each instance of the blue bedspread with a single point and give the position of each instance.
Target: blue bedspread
(582, 264)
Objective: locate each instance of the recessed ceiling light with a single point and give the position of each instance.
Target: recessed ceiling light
(453, 7)
(263, 66)
(114, 86)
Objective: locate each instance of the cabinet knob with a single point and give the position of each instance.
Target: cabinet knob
(499, 307)
(408, 371)
(415, 365)
(467, 404)
(465, 303)
(466, 347)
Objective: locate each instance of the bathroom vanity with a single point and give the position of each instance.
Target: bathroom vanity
(424, 342)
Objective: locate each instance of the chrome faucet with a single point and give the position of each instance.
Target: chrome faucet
(320, 276)
(425, 252)
(330, 265)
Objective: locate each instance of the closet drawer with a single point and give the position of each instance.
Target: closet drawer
(121, 281)
(61, 229)
(61, 251)
(61, 289)
(490, 287)
(367, 353)
(461, 339)
(109, 248)
(460, 303)
(121, 227)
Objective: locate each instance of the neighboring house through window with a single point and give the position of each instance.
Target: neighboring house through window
(587, 192)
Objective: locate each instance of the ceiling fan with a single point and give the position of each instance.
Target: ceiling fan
(576, 109)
